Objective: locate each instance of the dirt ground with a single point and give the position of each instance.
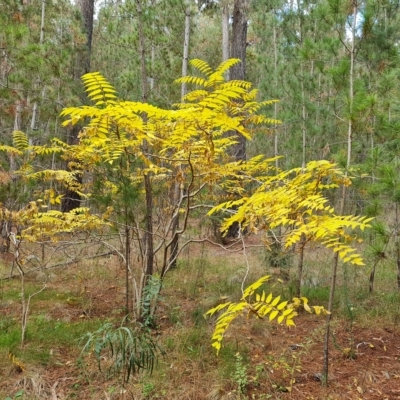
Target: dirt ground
(364, 363)
(282, 363)
(287, 363)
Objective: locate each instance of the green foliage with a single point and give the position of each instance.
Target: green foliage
(10, 334)
(148, 388)
(128, 351)
(149, 298)
(18, 395)
(43, 334)
(240, 374)
(36, 72)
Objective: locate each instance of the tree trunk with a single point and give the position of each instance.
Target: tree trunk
(225, 34)
(344, 191)
(148, 236)
(397, 243)
(238, 71)
(87, 11)
(17, 127)
(71, 199)
(303, 122)
(127, 263)
(175, 193)
(35, 109)
(300, 265)
(276, 84)
(185, 58)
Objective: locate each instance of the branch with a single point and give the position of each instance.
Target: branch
(62, 264)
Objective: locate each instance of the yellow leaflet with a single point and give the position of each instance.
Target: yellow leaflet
(276, 301)
(282, 305)
(289, 322)
(307, 307)
(273, 315)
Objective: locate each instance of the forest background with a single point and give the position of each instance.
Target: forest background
(334, 67)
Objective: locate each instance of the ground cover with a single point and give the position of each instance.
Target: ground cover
(259, 360)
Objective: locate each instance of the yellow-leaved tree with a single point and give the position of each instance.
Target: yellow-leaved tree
(295, 202)
(136, 153)
(129, 157)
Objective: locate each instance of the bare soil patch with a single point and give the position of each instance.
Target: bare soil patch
(364, 362)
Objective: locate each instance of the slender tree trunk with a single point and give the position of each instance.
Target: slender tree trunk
(303, 122)
(343, 196)
(225, 34)
(127, 263)
(87, 11)
(153, 60)
(276, 150)
(351, 86)
(300, 265)
(185, 58)
(17, 127)
(397, 244)
(35, 108)
(238, 71)
(175, 193)
(71, 199)
(148, 236)
(174, 228)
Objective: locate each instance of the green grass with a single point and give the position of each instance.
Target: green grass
(13, 293)
(10, 337)
(316, 295)
(43, 337)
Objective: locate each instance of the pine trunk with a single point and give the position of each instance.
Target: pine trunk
(71, 199)
(148, 236)
(344, 191)
(238, 71)
(225, 34)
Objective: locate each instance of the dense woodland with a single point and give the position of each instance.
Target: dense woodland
(195, 155)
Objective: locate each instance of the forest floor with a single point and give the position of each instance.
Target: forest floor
(275, 362)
